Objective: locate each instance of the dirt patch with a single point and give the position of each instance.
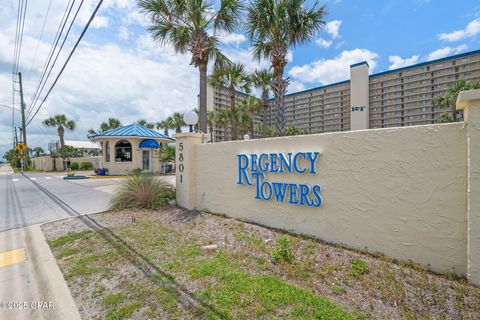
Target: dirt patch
(150, 265)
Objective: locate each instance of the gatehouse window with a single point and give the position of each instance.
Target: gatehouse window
(123, 151)
(107, 152)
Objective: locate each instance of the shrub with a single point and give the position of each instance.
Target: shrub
(282, 250)
(86, 165)
(359, 267)
(74, 166)
(141, 191)
(136, 172)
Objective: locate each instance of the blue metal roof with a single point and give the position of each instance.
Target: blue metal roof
(133, 130)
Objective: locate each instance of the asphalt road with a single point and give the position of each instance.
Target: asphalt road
(37, 198)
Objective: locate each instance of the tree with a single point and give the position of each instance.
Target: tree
(177, 121)
(12, 158)
(272, 27)
(166, 125)
(38, 151)
(60, 122)
(243, 118)
(146, 124)
(262, 79)
(190, 26)
(233, 78)
(251, 106)
(111, 123)
(445, 117)
(292, 130)
(211, 123)
(449, 100)
(222, 119)
(166, 154)
(266, 130)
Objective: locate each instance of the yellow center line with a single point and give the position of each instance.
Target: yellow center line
(11, 257)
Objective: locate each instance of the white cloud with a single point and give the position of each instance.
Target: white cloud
(332, 28)
(135, 17)
(323, 43)
(332, 70)
(446, 51)
(231, 37)
(295, 86)
(123, 33)
(472, 29)
(399, 62)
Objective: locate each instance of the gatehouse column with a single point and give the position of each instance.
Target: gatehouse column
(185, 168)
(469, 102)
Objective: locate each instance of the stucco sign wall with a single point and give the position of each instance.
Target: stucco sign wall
(407, 192)
(254, 168)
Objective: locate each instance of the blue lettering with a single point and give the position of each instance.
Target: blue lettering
(316, 192)
(262, 189)
(287, 163)
(263, 156)
(293, 194)
(304, 192)
(280, 191)
(257, 176)
(242, 170)
(273, 162)
(312, 157)
(253, 158)
(295, 162)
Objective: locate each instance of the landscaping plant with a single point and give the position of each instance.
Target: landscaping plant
(141, 191)
(282, 250)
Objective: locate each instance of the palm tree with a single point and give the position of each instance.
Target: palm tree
(60, 122)
(243, 118)
(38, 151)
(449, 100)
(251, 106)
(292, 130)
(146, 124)
(223, 119)
(167, 154)
(191, 26)
(112, 123)
(166, 125)
(177, 122)
(261, 79)
(234, 78)
(275, 25)
(211, 123)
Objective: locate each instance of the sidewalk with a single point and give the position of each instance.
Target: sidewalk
(31, 284)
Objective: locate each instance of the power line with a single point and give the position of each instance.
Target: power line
(56, 57)
(21, 13)
(58, 34)
(68, 59)
(38, 42)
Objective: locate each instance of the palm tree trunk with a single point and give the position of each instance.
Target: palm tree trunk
(265, 110)
(232, 110)
(202, 114)
(165, 131)
(211, 134)
(253, 125)
(454, 113)
(61, 132)
(279, 87)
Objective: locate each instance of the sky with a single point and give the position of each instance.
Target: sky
(119, 71)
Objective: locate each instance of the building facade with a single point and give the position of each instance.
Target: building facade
(399, 97)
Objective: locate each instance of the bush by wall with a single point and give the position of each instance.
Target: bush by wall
(75, 166)
(86, 166)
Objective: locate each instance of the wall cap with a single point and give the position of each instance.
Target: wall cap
(466, 97)
(188, 135)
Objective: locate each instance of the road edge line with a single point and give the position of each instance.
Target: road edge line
(50, 282)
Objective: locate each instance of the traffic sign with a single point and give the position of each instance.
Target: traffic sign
(21, 147)
(21, 156)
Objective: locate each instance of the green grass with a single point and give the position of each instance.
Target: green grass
(359, 267)
(69, 238)
(241, 295)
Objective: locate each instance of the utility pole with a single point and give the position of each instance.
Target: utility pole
(24, 126)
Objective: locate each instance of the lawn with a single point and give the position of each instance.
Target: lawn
(155, 266)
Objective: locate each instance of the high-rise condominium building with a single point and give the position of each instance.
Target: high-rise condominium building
(400, 97)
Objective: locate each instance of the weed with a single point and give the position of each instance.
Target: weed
(69, 238)
(359, 267)
(282, 250)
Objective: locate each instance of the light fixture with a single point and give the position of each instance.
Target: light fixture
(191, 119)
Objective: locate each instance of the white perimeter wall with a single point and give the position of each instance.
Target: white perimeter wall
(399, 191)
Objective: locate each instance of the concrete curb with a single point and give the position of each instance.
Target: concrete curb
(50, 282)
